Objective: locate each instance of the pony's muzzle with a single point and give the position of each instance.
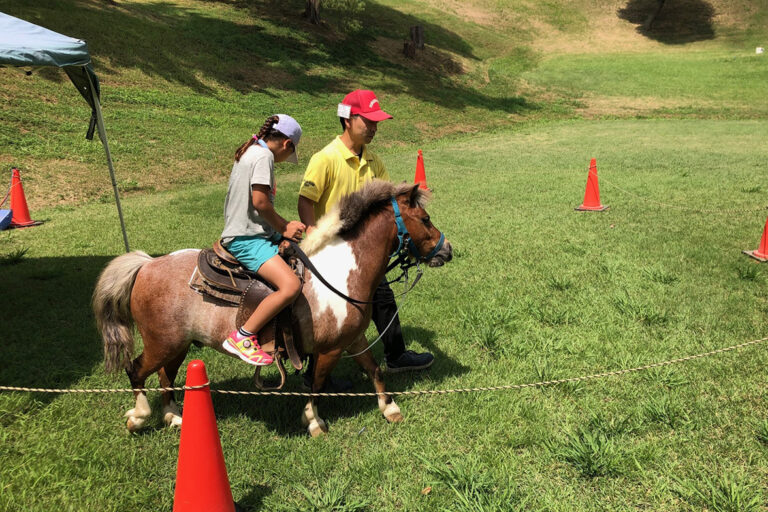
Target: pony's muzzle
(443, 256)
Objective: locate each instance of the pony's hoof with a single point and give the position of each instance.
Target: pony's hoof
(394, 418)
(317, 428)
(172, 415)
(392, 413)
(134, 424)
(172, 420)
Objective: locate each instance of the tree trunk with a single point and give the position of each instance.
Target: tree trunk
(649, 22)
(416, 42)
(409, 50)
(312, 11)
(417, 36)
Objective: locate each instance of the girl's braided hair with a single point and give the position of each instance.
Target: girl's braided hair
(265, 133)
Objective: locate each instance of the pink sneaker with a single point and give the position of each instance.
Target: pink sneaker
(246, 348)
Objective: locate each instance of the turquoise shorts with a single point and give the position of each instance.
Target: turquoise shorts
(253, 251)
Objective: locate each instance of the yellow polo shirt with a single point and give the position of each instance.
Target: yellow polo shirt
(334, 172)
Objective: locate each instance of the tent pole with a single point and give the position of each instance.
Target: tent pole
(103, 137)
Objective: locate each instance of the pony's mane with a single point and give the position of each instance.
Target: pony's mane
(354, 208)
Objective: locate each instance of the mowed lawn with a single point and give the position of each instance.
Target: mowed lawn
(536, 291)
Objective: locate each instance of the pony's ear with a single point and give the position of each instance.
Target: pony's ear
(413, 196)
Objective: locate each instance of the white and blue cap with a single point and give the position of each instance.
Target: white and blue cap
(289, 127)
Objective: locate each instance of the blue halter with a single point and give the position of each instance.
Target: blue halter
(402, 233)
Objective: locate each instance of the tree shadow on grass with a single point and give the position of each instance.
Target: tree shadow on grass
(278, 50)
(252, 500)
(282, 414)
(48, 339)
(48, 334)
(678, 21)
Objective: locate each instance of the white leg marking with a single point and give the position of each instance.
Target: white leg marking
(172, 415)
(139, 414)
(335, 262)
(390, 411)
(314, 423)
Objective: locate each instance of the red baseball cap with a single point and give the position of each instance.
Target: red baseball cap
(366, 104)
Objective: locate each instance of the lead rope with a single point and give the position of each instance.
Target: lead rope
(419, 271)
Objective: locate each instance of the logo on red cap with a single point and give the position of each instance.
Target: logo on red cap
(364, 103)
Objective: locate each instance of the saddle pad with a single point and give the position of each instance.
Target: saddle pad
(228, 297)
(222, 275)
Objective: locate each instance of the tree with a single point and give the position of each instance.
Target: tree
(312, 11)
(346, 12)
(651, 18)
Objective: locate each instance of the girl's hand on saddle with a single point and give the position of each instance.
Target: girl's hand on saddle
(294, 230)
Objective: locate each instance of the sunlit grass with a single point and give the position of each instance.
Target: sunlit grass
(536, 292)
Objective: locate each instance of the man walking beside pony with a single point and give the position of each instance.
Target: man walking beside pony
(339, 169)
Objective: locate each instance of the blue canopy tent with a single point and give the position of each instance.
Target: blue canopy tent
(26, 44)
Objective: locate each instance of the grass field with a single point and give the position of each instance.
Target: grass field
(537, 292)
(509, 102)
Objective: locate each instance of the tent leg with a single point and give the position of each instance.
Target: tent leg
(103, 137)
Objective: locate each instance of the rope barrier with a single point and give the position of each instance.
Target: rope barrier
(100, 390)
(6, 195)
(442, 391)
(406, 393)
(683, 208)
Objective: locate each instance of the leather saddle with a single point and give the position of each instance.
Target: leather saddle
(219, 277)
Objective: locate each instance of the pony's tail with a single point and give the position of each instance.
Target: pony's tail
(112, 308)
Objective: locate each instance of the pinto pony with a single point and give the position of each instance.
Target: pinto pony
(350, 247)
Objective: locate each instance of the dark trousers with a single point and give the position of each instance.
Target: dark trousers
(383, 311)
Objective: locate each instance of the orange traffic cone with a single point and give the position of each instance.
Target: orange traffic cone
(202, 484)
(592, 194)
(20, 218)
(421, 176)
(761, 253)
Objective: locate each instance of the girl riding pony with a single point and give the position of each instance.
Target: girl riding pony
(253, 228)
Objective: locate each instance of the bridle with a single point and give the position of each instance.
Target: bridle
(406, 253)
(403, 236)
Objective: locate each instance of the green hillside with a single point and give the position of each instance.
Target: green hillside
(185, 81)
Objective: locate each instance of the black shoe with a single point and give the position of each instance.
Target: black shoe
(331, 385)
(409, 361)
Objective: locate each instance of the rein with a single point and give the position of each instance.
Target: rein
(404, 263)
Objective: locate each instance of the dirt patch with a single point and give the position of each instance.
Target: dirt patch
(55, 182)
(61, 182)
(430, 59)
(607, 32)
(472, 13)
(261, 76)
(631, 106)
(734, 13)
(485, 15)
